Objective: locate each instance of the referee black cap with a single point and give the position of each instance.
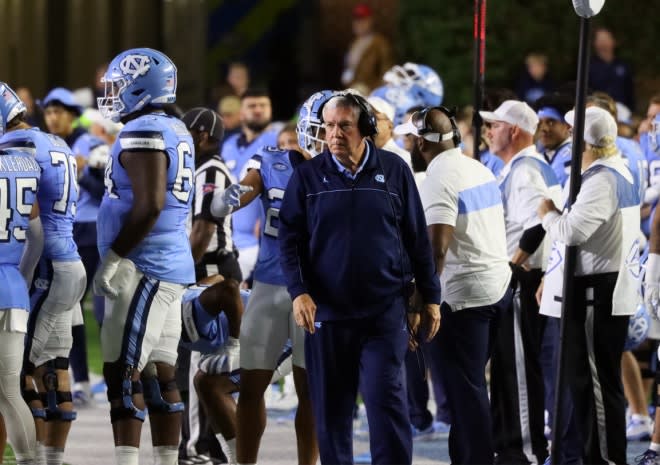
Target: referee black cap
(204, 120)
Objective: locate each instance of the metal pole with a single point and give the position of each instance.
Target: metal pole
(479, 70)
(571, 252)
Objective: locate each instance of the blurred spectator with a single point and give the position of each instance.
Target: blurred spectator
(464, 122)
(229, 109)
(103, 128)
(287, 138)
(652, 110)
(368, 56)
(534, 81)
(607, 73)
(33, 117)
(237, 81)
(60, 113)
(384, 113)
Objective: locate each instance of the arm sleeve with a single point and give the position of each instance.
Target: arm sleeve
(292, 235)
(531, 239)
(416, 241)
(33, 247)
(594, 205)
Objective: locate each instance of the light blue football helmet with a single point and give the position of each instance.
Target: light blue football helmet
(638, 328)
(409, 86)
(136, 78)
(308, 129)
(10, 106)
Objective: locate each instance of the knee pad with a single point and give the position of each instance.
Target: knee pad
(52, 397)
(153, 397)
(30, 396)
(125, 392)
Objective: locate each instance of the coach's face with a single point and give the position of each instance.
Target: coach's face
(342, 133)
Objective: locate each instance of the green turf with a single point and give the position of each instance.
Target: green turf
(92, 331)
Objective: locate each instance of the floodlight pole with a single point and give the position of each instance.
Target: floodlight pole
(571, 252)
(479, 71)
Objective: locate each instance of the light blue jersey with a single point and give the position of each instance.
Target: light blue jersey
(237, 152)
(19, 181)
(492, 162)
(164, 253)
(58, 189)
(88, 206)
(653, 166)
(275, 167)
(561, 161)
(636, 162)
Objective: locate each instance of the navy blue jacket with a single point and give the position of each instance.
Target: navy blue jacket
(340, 241)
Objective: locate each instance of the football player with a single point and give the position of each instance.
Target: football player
(268, 321)
(145, 253)
(57, 286)
(19, 178)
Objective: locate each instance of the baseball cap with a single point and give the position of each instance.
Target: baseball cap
(203, 119)
(514, 112)
(63, 97)
(362, 10)
(600, 128)
(382, 106)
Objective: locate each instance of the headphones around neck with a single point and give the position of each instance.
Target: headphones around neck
(451, 114)
(367, 124)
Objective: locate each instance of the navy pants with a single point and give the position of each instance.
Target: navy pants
(418, 365)
(465, 340)
(343, 356)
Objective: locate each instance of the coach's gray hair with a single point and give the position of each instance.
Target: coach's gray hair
(341, 101)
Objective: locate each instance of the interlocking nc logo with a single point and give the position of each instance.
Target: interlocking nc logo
(135, 65)
(380, 178)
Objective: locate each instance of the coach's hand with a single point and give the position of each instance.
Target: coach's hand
(304, 312)
(105, 273)
(424, 325)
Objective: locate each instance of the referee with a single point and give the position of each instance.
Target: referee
(516, 379)
(210, 238)
(465, 218)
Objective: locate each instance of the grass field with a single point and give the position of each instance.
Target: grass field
(92, 331)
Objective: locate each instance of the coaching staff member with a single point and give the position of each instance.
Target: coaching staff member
(353, 237)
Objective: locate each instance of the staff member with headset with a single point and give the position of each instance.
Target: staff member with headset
(516, 379)
(604, 224)
(465, 217)
(353, 237)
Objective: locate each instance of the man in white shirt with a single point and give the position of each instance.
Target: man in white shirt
(517, 401)
(384, 113)
(465, 217)
(603, 225)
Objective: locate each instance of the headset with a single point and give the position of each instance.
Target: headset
(367, 124)
(449, 113)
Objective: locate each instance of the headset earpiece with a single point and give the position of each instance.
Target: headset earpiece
(367, 124)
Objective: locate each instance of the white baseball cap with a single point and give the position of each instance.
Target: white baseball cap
(600, 128)
(382, 106)
(514, 112)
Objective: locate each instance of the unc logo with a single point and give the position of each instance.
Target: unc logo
(135, 65)
(556, 258)
(280, 166)
(41, 283)
(324, 180)
(380, 178)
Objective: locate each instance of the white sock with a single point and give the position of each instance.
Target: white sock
(41, 454)
(638, 417)
(655, 447)
(228, 447)
(54, 455)
(166, 455)
(27, 459)
(126, 455)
